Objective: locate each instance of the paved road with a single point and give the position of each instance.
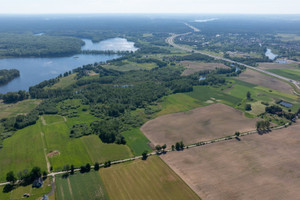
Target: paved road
(170, 40)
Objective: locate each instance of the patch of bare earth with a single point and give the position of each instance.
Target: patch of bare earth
(257, 167)
(53, 153)
(199, 124)
(276, 66)
(193, 67)
(257, 78)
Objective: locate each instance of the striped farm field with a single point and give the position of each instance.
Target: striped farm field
(147, 180)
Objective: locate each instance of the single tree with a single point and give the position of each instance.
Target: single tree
(181, 145)
(164, 147)
(144, 155)
(82, 169)
(88, 167)
(72, 170)
(248, 95)
(177, 146)
(237, 134)
(248, 107)
(158, 148)
(96, 166)
(173, 147)
(10, 177)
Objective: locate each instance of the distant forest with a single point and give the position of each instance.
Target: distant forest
(8, 75)
(22, 45)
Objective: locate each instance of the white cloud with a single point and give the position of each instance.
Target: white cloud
(150, 6)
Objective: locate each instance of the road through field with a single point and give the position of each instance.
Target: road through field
(170, 40)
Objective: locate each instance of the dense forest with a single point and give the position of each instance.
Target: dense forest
(21, 45)
(8, 75)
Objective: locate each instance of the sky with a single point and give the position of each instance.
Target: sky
(150, 6)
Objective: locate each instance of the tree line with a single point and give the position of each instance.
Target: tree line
(6, 75)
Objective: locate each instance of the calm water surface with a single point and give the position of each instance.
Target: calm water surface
(270, 55)
(36, 70)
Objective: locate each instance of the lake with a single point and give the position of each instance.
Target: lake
(36, 70)
(270, 55)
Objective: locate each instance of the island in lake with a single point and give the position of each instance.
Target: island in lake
(7, 75)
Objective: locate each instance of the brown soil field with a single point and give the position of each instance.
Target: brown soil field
(193, 67)
(257, 78)
(257, 167)
(276, 66)
(199, 124)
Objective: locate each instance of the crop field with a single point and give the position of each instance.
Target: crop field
(200, 124)
(289, 73)
(257, 78)
(147, 180)
(276, 66)
(137, 142)
(193, 67)
(257, 167)
(35, 193)
(80, 186)
(22, 107)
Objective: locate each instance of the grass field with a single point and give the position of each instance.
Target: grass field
(177, 103)
(209, 95)
(65, 81)
(132, 66)
(147, 180)
(101, 152)
(35, 193)
(23, 150)
(137, 142)
(22, 107)
(289, 73)
(209, 122)
(256, 167)
(78, 151)
(80, 186)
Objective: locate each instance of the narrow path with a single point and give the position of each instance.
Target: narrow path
(170, 40)
(45, 151)
(43, 121)
(65, 119)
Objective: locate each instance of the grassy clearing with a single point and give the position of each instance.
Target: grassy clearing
(35, 193)
(289, 73)
(178, 103)
(80, 186)
(101, 152)
(209, 95)
(23, 150)
(150, 179)
(22, 107)
(50, 119)
(137, 142)
(65, 81)
(132, 66)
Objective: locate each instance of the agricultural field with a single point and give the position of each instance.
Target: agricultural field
(251, 76)
(80, 186)
(65, 81)
(256, 167)
(266, 66)
(137, 142)
(149, 179)
(197, 125)
(19, 108)
(35, 193)
(259, 93)
(18, 153)
(127, 66)
(289, 73)
(177, 103)
(193, 67)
